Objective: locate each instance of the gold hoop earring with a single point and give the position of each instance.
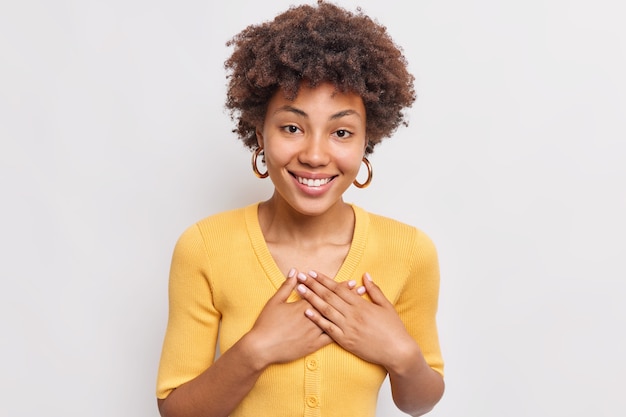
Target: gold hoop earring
(255, 167)
(370, 174)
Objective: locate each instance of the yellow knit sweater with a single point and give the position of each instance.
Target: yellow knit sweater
(222, 274)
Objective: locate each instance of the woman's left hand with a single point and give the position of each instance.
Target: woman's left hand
(371, 330)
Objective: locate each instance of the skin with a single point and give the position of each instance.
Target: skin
(319, 136)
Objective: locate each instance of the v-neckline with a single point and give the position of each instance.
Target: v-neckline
(348, 266)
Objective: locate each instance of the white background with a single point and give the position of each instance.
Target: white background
(114, 139)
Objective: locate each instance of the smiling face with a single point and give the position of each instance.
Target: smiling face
(313, 146)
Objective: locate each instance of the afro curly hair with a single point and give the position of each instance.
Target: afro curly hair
(322, 43)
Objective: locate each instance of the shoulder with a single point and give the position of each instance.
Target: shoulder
(215, 227)
(398, 239)
(394, 230)
(222, 220)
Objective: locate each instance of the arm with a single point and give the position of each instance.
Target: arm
(416, 388)
(218, 390)
(417, 307)
(190, 383)
(366, 329)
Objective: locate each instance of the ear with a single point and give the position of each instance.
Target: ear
(259, 137)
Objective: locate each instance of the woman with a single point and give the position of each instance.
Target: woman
(315, 300)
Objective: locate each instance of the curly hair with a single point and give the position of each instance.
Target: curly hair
(322, 43)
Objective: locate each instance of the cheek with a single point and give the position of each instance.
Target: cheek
(276, 156)
(352, 164)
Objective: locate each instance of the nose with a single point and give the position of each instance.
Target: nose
(314, 151)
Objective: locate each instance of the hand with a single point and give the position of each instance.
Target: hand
(371, 330)
(282, 332)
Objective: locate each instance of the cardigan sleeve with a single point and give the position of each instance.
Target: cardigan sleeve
(193, 321)
(418, 301)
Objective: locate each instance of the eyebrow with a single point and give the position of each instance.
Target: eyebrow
(299, 112)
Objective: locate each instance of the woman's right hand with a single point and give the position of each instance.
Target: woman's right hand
(282, 333)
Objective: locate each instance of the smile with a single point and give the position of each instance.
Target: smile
(309, 182)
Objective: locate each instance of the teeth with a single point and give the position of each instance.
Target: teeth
(313, 182)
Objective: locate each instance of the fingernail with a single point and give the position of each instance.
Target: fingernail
(301, 277)
(308, 313)
(368, 277)
(360, 290)
(312, 274)
(351, 283)
(292, 273)
(301, 289)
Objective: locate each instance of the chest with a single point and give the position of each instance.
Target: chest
(326, 259)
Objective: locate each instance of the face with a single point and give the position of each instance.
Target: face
(313, 146)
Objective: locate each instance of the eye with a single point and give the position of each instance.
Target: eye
(343, 134)
(291, 129)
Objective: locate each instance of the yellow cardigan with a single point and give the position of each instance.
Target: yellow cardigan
(222, 274)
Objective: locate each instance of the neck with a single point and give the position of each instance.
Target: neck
(280, 223)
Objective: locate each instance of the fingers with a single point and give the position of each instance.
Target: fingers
(328, 327)
(373, 290)
(329, 287)
(319, 289)
(283, 292)
(322, 299)
(345, 289)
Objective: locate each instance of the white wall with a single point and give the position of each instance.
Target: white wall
(113, 140)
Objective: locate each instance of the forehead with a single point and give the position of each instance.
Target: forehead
(322, 98)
